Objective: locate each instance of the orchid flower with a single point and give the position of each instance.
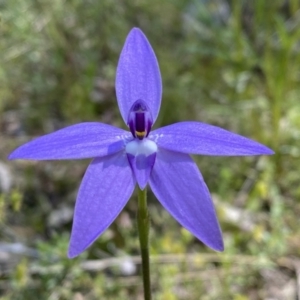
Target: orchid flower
(122, 159)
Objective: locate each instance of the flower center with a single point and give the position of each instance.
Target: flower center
(139, 119)
(145, 147)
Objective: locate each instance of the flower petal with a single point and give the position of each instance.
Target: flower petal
(201, 138)
(141, 166)
(141, 156)
(82, 140)
(105, 189)
(138, 76)
(177, 183)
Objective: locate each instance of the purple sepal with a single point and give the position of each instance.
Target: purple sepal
(138, 75)
(105, 189)
(78, 141)
(205, 139)
(179, 186)
(141, 166)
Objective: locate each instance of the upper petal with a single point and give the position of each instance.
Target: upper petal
(138, 76)
(82, 140)
(178, 185)
(105, 189)
(201, 138)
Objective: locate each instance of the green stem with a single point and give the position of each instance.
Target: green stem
(143, 221)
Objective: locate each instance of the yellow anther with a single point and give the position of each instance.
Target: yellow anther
(140, 133)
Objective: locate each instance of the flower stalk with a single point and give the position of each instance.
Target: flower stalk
(143, 222)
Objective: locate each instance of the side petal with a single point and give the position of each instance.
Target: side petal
(105, 189)
(179, 186)
(138, 76)
(205, 139)
(78, 141)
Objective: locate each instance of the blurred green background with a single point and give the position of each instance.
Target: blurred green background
(230, 63)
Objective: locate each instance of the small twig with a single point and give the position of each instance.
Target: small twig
(296, 264)
(244, 191)
(293, 264)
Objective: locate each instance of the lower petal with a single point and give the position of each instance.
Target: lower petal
(141, 156)
(179, 186)
(105, 189)
(141, 166)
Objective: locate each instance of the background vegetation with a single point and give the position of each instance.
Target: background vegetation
(231, 63)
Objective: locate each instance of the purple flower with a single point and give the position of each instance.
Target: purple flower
(122, 158)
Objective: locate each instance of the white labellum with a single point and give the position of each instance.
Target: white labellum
(137, 147)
